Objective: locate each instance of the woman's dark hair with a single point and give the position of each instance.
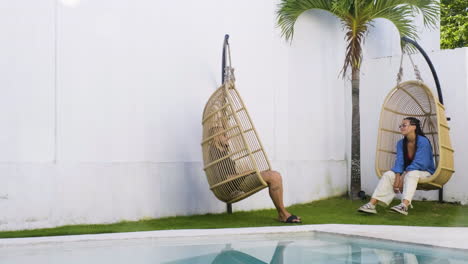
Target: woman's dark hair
(414, 121)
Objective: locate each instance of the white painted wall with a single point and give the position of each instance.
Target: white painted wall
(102, 101)
(101, 105)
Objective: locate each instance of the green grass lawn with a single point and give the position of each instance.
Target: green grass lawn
(337, 210)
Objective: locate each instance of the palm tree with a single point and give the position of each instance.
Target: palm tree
(357, 16)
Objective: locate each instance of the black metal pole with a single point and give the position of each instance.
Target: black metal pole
(437, 83)
(223, 74)
(223, 63)
(434, 73)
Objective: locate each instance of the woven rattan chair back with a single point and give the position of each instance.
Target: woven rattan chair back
(415, 99)
(232, 152)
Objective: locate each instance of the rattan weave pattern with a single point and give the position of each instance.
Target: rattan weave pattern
(233, 155)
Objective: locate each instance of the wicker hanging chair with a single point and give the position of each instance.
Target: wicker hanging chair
(415, 99)
(233, 155)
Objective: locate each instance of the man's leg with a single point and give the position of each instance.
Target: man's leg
(275, 188)
(278, 256)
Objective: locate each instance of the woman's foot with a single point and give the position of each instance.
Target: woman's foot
(401, 208)
(368, 208)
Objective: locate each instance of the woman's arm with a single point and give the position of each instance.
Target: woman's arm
(399, 165)
(398, 184)
(422, 158)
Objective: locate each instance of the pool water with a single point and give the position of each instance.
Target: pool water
(305, 247)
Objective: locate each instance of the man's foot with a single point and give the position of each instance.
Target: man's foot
(368, 208)
(401, 208)
(292, 219)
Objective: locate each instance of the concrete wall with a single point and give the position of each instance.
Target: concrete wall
(102, 100)
(101, 105)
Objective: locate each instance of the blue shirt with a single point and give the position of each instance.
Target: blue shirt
(423, 159)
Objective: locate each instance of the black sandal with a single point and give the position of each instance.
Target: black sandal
(291, 219)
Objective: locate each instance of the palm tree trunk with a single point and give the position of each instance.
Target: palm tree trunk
(355, 138)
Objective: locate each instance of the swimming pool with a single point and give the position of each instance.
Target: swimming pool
(303, 247)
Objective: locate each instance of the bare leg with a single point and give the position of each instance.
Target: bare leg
(275, 188)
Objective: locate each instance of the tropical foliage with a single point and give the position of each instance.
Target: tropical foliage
(453, 24)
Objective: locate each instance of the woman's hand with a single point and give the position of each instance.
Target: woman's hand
(398, 184)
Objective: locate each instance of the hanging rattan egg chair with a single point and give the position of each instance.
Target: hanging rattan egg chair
(233, 155)
(415, 99)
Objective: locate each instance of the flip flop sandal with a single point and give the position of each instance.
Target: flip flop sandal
(291, 219)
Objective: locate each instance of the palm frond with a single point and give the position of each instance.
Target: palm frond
(402, 12)
(355, 33)
(400, 16)
(430, 10)
(289, 11)
(357, 16)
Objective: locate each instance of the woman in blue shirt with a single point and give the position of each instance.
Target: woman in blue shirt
(414, 160)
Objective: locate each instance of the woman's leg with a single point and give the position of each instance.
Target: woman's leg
(411, 183)
(384, 191)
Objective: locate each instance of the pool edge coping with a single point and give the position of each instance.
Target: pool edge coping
(405, 234)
